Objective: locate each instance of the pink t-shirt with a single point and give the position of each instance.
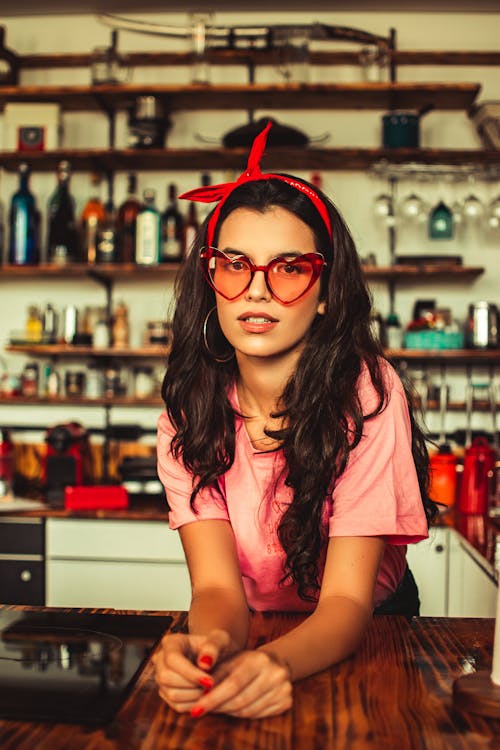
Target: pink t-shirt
(377, 495)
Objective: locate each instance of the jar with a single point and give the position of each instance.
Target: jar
(100, 336)
(74, 383)
(143, 382)
(111, 382)
(93, 385)
(29, 380)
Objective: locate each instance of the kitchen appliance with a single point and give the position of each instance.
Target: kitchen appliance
(140, 477)
(68, 460)
(72, 667)
(478, 478)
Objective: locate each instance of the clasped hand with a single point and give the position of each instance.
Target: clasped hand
(202, 674)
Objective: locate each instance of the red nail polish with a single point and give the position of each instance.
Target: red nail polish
(197, 711)
(206, 682)
(206, 660)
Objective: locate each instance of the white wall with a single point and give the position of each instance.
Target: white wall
(353, 192)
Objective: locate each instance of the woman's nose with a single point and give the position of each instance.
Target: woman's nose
(258, 289)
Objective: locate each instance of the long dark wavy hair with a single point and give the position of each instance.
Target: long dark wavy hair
(321, 411)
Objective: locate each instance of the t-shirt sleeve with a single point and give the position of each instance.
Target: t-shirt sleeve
(378, 493)
(178, 483)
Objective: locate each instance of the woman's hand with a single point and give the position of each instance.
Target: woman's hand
(182, 665)
(252, 684)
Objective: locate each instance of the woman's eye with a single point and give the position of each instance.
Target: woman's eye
(237, 265)
(289, 269)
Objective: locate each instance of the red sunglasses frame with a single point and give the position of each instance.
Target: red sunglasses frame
(316, 260)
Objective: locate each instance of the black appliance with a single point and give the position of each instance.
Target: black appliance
(68, 461)
(75, 668)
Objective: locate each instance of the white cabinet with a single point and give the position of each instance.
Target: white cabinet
(428, 561)
(453, 579)
(116, 564)
(472, 592)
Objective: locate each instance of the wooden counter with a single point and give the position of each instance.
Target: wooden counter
(395, 693)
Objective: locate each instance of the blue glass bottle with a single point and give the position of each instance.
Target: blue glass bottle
(24, 247)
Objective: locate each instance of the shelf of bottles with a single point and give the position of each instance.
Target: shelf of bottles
(136, 236)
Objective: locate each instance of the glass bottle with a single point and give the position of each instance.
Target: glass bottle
(172, 227)
(190, 228)
(24, 220)
(92, 219)
(126, 222)
(107, 250)
(63, 242)
(34, 325)
(148, 231)
(204, 208)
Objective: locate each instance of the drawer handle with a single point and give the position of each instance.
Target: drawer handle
(25, 576)
(439, 548)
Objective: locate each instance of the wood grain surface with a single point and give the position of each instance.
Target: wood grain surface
(396, 693)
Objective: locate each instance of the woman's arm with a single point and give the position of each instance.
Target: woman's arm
(335, 629)
(218, 617)
(256, 683)
(218, 598)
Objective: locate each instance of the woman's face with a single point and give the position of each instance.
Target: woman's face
(255, 323)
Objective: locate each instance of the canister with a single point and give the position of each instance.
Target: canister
(482, 325)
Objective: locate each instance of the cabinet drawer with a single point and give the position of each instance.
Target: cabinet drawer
(22, 582)
(119, 585)
(24, 536)
(102, 539)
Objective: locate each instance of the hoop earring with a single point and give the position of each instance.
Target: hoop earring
(216, 357)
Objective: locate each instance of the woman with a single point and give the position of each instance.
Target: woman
(291, 462)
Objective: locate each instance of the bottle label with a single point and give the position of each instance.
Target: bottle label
(172, 246)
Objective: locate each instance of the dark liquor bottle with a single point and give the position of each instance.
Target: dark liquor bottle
(126, 223)
(191, 228)
(172, 229)
(204, 208)
(92, 221)
(63, 239)
(24, 220)
(148, 232)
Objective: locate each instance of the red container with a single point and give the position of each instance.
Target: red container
(95, 497)
(478, 478)
(443, 477)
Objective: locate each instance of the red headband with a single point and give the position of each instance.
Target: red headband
(221, 193)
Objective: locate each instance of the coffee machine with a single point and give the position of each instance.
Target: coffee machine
(68, 460)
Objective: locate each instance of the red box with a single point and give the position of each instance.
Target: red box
(96, 497)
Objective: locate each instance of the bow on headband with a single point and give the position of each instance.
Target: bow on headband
(220, 193)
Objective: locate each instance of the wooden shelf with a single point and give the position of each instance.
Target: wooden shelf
(77, 270)
(424, 271)
(67, 401)
(445, 356)
(79, 352)
(85, 160)
(335, 96)
(258, 56)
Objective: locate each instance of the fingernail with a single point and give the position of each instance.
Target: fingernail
(197, 711)
(206, 682)
(206, 660)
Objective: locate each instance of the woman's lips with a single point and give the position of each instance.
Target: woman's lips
(257, 322)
